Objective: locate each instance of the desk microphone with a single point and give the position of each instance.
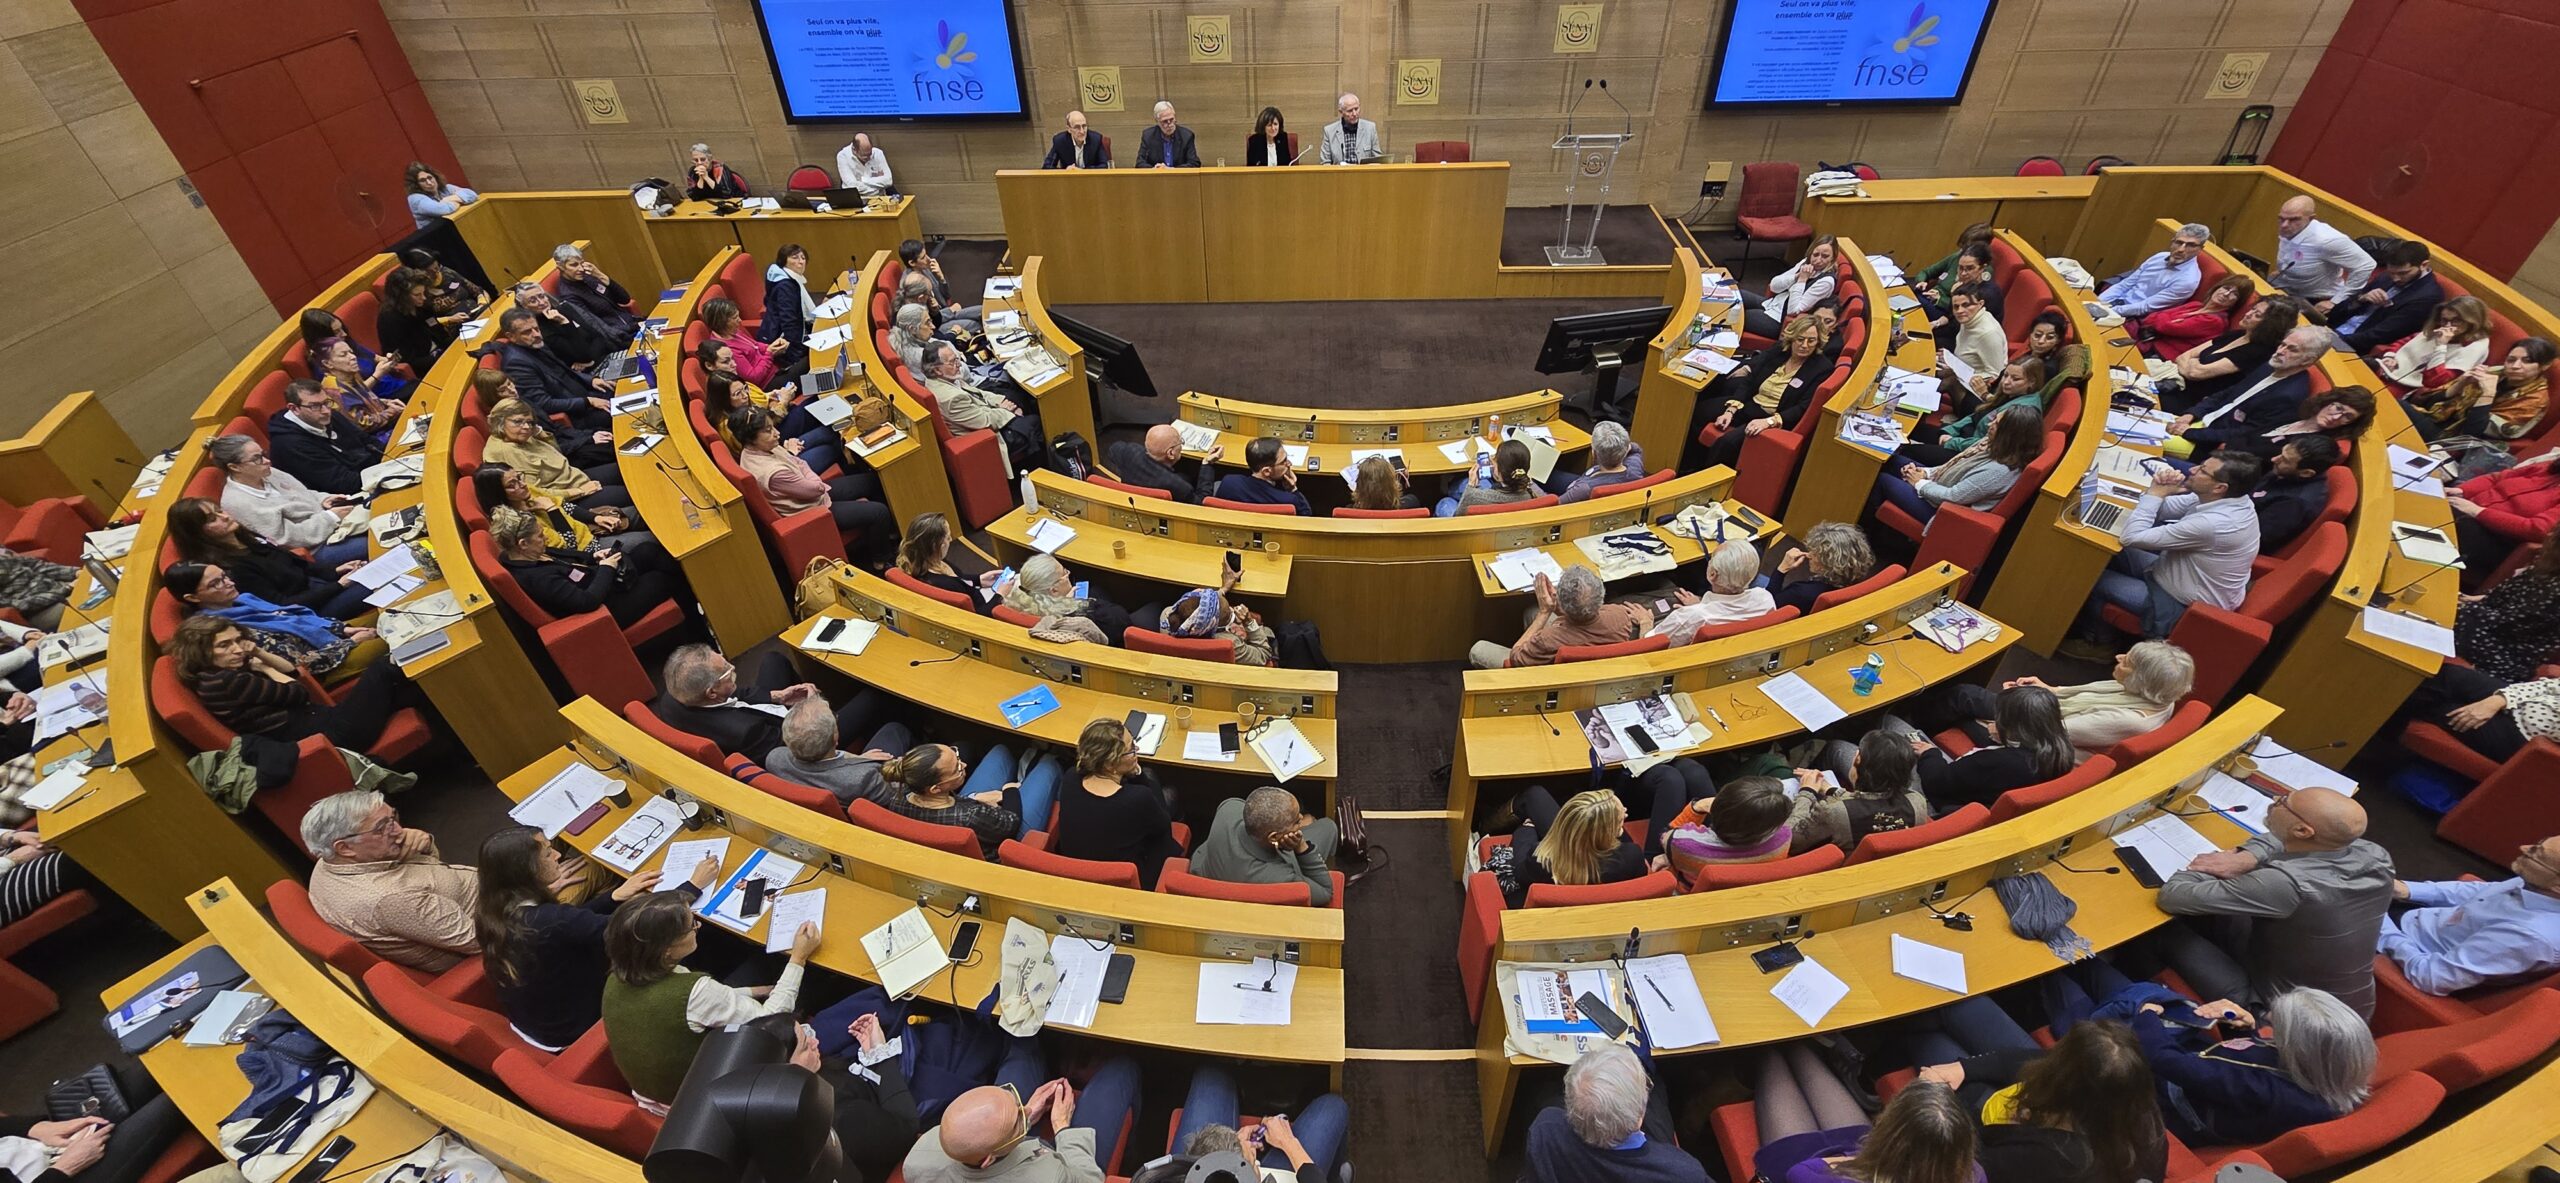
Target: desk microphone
(934, 660)
(668, 471)
(1311, 428)
(1302, 153)
(2383, 599)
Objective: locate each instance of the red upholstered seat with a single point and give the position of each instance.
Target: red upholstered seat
(1541, 501)
(467, 1028)
(1713, 876)
(1970, 538)
(1013, 616)
(952, 839)
(1892, 842)
(267, 397)
(810, 178)
(1352, 512)
(1147, 640)
(1441, 152)
(2226, 643)
(1566, 654)
(2511, 804)
(796, 539)
(1884, 577)
(23, 999)
(929, 591)
(1766, 210)
(2040, 166)
(1769, 459)
(1177, 879)
(2396, 1107)
(1658, 885)
(975, 460)
(2032, 797)
(2341, 480)
(814, 800)
(2181, 723)
(1249, 506)
(703, 751)
(1015, 853)
(2475, 1051)
(290, 903)
(2399, 1005)
(582, 1091)
(317, 771)
(593, 653)
(1735, 628)
(1125, 487)
(743, 276)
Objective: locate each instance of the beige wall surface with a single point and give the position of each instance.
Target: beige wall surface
(123, 282)
(2068, 78)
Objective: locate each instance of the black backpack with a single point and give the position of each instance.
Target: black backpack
(1069, 456)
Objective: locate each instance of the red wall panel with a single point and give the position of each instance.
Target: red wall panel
(292, 117)
(2438, 115)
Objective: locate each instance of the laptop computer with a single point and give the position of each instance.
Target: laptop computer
(817, 382)
(617, 367)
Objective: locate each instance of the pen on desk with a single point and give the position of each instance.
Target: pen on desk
(1718, 716)
(1657, 992)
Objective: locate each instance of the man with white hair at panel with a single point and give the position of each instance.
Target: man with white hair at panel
(1351, 139)
(586, 285)
(2164, 280)
(1168, 144)
(1614, 1127)
(386, 886)
(2315, 262)
(1572, 610)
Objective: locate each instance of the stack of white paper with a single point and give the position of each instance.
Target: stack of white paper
(2136, 427)
(1284, 749)
(1518, 570)
(641, 834)
(725, 904)
(2406, 464)
(1080, 970)
(1048, 534)
(1667, 998)
(1203, 745)
(1928, 964)
(562, 798)
(2236, 800)
(2294, 770)
(683, 857)
(1254, 993)
(1709, 360)
(1799, 698)
(112, 543)
(1810, 991)
(1195, 438)
(2166, 842)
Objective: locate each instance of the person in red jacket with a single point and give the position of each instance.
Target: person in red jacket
(2172, 331)
(2494, 514)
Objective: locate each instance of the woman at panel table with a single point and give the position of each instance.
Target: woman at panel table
(520, 439)
(2173, 331)
(1812, 1130)
(1771, 390)
(1980, 475)
(297, 634)
(869, 530)
(389, 376)
(342, 373)
(254, 692)
(1269, 143)
(1044, 589)
(656, 1010)
(2208, 368)
(2455, 342)
(790, 310)
(205, 534)
(1870, 787)
(579, 528)
(931, 783)
(2084, 1109)
(756, 361)
(547, 958)
(407, 327)
(567, 582)
(1114, 810)
(2029, 747)
(2341, 413)
(2148, 682)
(1795, 291)
(926, 558)
(2488, 405)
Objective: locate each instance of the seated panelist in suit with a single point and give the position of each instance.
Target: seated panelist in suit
(1268, 146)
(1168, 144)
(1351, 139)
(704, 696)
(1077, 147)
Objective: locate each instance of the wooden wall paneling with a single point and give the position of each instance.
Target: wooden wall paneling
(2120, 227)
(1151, 255)
(1385, 233)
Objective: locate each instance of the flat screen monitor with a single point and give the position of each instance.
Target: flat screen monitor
(839, 61)
(1571, 339)
(1789, 53)
(1114, 358)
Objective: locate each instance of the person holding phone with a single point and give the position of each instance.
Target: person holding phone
(1855, 790)
(1114, 810)
(546, 957)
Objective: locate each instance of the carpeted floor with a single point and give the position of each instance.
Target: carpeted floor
(1630, 235)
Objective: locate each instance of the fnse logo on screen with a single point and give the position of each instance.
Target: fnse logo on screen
(1903, 60)
(1829, 51)
(945, 86)
(856, 58)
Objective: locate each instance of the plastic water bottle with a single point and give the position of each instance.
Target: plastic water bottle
(1869, 672)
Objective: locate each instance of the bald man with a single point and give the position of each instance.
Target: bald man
(1157, 464)
(1077, 147)
(2315, 262)
(986, 1134)
(2303, 904)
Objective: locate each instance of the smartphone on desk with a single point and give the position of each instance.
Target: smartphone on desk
(1227, 741)
(964, 940)
(1115, 978)
(1777, 957)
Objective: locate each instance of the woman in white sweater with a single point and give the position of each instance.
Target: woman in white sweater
(270, 503)
(2149, 682)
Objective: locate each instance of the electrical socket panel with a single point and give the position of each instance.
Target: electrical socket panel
(939, 897)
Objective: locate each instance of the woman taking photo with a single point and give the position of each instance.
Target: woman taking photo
(2455, 342)
(342, 374)
(2206, 369)
(756, 361)
(1771, 390)
(2173, 331)
(297, 634)
(1980, 475)
(931, 783)
(547, 958)
(519, 439)
(1870, 787)
(723, 393)
(205, 534)
(1503, 480)
(656, 1011)
(790, 310)
(1268, 146)
(255, 692)
(926, 558)
(1114, 810)
(868, 530)
(2029, 747)
(568, 582)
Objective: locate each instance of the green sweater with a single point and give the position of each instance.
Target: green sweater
(645, 1026)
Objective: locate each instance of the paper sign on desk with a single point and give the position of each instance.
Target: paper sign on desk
(836, 305)
(1928, 964)
(2409, 630)
(1254, 993)
(1901, 303)
(1810, 991)
(2166, 842)
(1297, 454)
(904, 952)
(561, 799)
(1195, 438)
(2294, 770)
(1080, 971)
(2426, 544)
(1003, 287)
(2406, 463)
(2135, 427)
(1284, 749)
(1203, 745)
(1667, 999)
(1799, 698)
(640, 835)
(1464, 451)
(2424, 486)
(2238, 800)
(1026, 979)
(787, 913)
(1551, 1000)
(1709, 360)
(1048, 534)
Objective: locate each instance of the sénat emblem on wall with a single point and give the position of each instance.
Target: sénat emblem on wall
(1210, 42)
(2237, 77)
(599, 100)
(1577, 28)
(1418, 82)
(1101, 86)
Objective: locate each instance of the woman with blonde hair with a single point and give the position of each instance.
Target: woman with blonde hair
(520, 437)
(1376, 484)
(2455, 341)
(925, 556)
(1834, 555)
(1578, 844)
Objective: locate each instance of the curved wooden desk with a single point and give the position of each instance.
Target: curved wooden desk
(871, 877)
(910, 468)
(75, 450)
(1837, 476)
(1850, 915)
(1332, 437)
(1518, 723)
(832, 239)
(512, 235)
(1916, 220)
(1667, 393)
(1066, 400)
(2513, 1131)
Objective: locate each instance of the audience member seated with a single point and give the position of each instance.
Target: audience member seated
(542, 379)
(1166, 143)
(1114, 810)
(863, 521)
(448, 291)
(1304, 1149)
(2314, 891)
(724, 392)
(517, 439)
(294, 633)
(2172, 332)
(2340, 413)
(205, 534)
(568, 332)
(1732, 595)
(586, 285)
(1770, 390)
(342, 375)
(1572, 610)
(863, 167)
(656, 1010)
(2029, 746)
(706, 179)
(875, 1108)
(2455, 342)
(2458, 934)
(1263, 837)
(2207, 370)
(281, 509)
(430, 197)
(255, 692)
(33, 874)
(386, 886)
(2315, 262)
(1613, 1126)
(411, 331)
(1812, 1130)
(909, 328)
(2395, 303)
(1794, 291)
(1210, 614)
(1973, 269)
(1870, 787)
(1615, 460)
(1745, 822)
(2064, 364)
(2495, 513)
(931, 783)
(566, 582)
(387, 377)
(2508, 631)
(809, 755)
(790, 308)
(2257, 400)
(915, 290)
(969, 406)
(2491, 716)
(94, 1150)
(1045, 590)
(545, 957)
(1980, 475)
(921, 263)
(2295, 491)
(704, 697)
(19, 671)
(580, 528)
(1934, 281)
(1078, 147)
(1501, 478)
(2148, 682)
(1580, 843)
(1834, 555)
(1379, 485)
(2487, 406)
(925, 556)
(2021, 383)
(992, 1135)
(1978, 343)
(35, 589)
(2220, 1083)
(313, 440)
(1157, 463)
(2190, 540)
(1268, 479)
(2164, 280)
(2085, 1109)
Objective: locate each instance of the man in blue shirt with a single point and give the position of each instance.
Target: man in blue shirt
(2164, 280)
(1268, 479)
(2464, 934)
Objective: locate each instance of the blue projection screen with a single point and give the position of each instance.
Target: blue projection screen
(1847, 52)
(843, 60)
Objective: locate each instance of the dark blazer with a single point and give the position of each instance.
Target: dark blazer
(553, 388)
(605, 305)
(725, 183)
(1186, 152)
(334, 463)
(416, 337)
(277, 573)
(2404, 313)
(1743, 382)
(2286, 508)
(1253, 145)
(2278, 403)
(784, 318)
(568, 582)
(739, 729)
(1129, 459)
(577, 338)
(1062, 151)
(2235, 1096)
(1976, 778)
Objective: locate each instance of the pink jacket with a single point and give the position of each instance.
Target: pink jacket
(787, 479)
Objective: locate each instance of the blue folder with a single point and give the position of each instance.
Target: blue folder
(1022, 708)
